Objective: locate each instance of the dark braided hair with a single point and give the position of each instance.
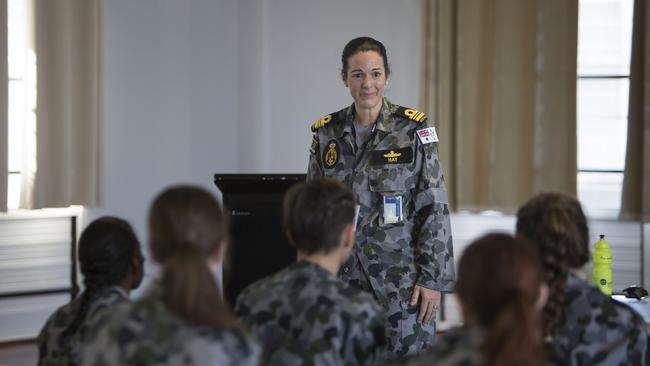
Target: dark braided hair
(107, 248)
(554, 224)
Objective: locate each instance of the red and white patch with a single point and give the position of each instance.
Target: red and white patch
(428, 135)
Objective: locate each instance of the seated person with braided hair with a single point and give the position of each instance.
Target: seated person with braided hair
(304, 314)
(181, 318)
(111, 264)
(582, 325)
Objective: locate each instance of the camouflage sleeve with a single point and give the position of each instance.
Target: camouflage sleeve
(42, 343)
(349, 338)
(434, 255)
(96, 347)
(314, 169)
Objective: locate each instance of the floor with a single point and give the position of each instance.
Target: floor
(23, 353)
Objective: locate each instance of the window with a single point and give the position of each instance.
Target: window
(604, 45)
(22, 99)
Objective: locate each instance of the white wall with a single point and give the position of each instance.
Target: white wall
(170, 97)
(198, 87)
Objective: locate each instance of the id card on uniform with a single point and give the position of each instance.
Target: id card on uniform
(392, 209)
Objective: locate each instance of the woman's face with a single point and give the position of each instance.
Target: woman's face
(366, 78)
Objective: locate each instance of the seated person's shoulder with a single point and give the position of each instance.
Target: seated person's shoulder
(595, 325)
(582, 299)
(106, 319)
(262, 293)
(229, 339)
(61, 318)
(224, 352)
(108, 298)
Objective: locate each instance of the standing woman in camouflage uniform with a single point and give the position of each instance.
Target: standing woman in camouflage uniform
(582, 325)
(388, 155)
(181, 319)
(111, 265)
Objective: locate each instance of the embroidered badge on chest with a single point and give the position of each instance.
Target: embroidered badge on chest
(331, 154)
(392, 156)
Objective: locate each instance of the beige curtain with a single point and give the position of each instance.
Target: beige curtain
(636, 181)
(4, 113)
(499, 84)
(69, 103)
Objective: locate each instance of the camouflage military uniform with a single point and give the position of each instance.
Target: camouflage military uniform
(145, 332)
(457, 347)
(52, 349)
(598, 330)
(306, 316)
(391, 257)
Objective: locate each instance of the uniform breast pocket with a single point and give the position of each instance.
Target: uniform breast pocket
(391, 188)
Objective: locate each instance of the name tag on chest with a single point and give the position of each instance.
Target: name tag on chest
(392, 156)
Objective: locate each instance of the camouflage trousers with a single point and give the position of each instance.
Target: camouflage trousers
(405, 336)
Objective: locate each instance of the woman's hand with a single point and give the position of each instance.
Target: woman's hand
(429, 302)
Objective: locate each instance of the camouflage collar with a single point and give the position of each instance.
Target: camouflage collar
(384, 123)
(111, 290)
(306, 265)
(572, 281)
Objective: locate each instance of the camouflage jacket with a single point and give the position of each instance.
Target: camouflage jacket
(597, 330)
(52, 349)
(456, 347)
(145, 332)
(395, 165)
(306, 316)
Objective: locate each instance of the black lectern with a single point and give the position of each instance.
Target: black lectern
(258, 246)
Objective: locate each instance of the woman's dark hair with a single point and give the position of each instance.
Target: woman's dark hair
(107, 250)
(363, 44)
(554, 224)
(186, 227)
(499, 282)
(315, 214)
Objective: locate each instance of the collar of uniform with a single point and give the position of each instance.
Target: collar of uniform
(312, 267)
(111, 290)
(349, 120)
(384, 121)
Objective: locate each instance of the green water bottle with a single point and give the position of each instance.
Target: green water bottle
(601, 275)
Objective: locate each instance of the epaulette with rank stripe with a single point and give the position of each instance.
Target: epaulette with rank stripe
(412, 114)
(321, 122)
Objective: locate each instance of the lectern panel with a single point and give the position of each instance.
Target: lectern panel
(258, 244)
